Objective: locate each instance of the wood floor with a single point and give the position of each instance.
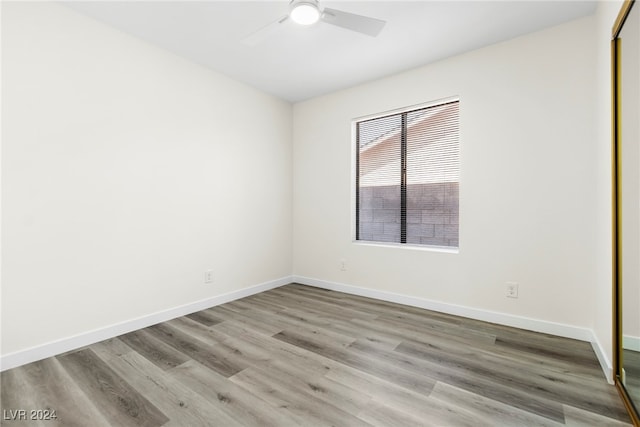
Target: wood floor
(301, 356)
(631, 362)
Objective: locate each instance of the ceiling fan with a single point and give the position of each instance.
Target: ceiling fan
(308, 12)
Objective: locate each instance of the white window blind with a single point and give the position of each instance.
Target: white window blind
(407, 180)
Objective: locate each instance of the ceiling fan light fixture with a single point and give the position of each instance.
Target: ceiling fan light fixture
(305, 12)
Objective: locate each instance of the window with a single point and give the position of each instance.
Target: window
(407, 177)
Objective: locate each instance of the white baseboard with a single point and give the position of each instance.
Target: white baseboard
(33, 354)
(543, 326)
(605, 363)
(631, 343)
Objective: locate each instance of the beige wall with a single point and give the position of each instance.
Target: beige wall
(126, 173)
(527, 198)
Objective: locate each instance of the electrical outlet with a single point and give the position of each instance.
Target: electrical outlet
(208, 276)
(512, 290)
(343, 265)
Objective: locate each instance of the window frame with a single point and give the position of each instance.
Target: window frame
(354, 180)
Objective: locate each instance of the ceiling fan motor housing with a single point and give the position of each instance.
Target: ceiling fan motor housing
(304, 12)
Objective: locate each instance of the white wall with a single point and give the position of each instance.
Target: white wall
(527, 201)
(126, 173)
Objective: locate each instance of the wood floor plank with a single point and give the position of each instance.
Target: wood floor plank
(433, 338)
(17, 396)
(245, 407)
(305, 317)
(359, 331)
(631, 363)
(294, 358)
(518, 375)
(162, 355)
(581, 355)
(392, 373)
(335, 394)
(490, 412)
(241, 350)
(110, 347)
(52, 388)
(204, 333)
(118, 401)
(204, 317)
(494, 384)
(414, 331)
(282, 320)
(575, 417)
(389, 398)
(330, 308)
(414, 321)
(394, 330)
(294, 398)
(369, 305)
(208, 354)
(380, 415)
(322, 335)
(258, 325)
(257, 302)
(173, 398)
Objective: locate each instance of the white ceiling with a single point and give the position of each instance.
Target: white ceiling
(298, 63)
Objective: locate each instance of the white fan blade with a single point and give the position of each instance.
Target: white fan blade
(264, 32)
(351, 21)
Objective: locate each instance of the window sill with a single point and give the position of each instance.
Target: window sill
(438, 249)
